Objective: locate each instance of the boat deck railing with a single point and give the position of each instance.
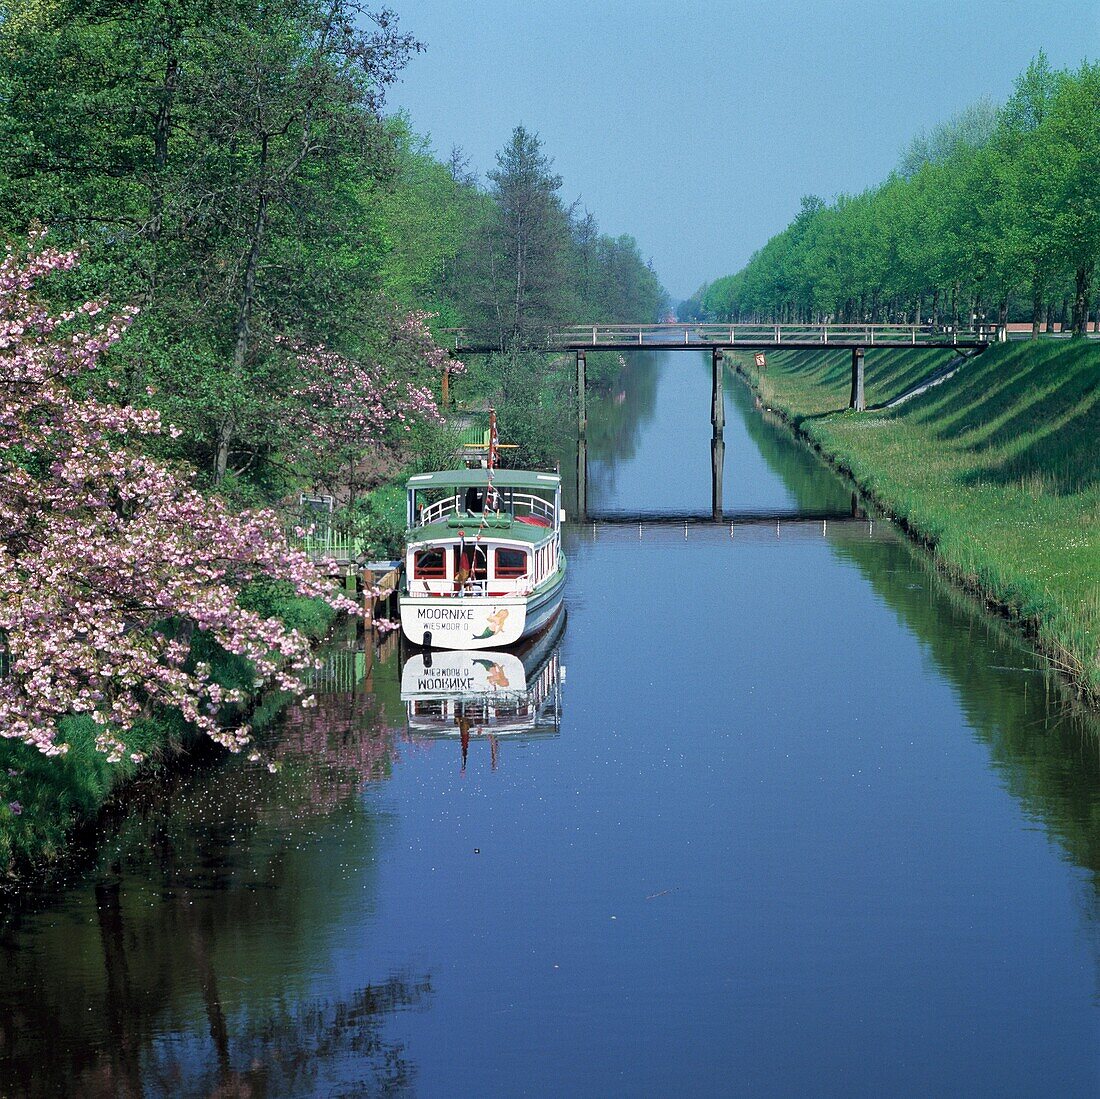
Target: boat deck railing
(518, 504)
(433, 513)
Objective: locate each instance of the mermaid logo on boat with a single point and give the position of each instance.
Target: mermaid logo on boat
(494, 673)
(495, 624)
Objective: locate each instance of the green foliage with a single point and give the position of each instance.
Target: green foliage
(538, 411)
(432, 216)
(54, 795)
(511, 260)
(275, 599)
(605, 368)
(221, 175)
(378, 518)
(232, 173)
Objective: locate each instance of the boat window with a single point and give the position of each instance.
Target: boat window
(430, 564)
(511, 563)
(471, 563)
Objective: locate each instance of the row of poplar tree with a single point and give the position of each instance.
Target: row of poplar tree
(994, 216)
(229, 167)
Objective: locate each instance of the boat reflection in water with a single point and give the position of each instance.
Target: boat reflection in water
(486, 694)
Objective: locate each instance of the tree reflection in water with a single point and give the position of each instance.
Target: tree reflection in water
(183, 962)
(316, 1048)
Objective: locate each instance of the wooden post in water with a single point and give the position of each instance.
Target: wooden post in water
(366, 586)
(718, 401)
(858, 401)
(582, 382)
(582, 479)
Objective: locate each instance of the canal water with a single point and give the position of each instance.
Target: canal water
(795, 818)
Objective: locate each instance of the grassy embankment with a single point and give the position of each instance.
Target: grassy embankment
(43, 801)
(997, 469)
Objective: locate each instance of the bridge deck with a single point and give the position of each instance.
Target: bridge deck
(724, 337)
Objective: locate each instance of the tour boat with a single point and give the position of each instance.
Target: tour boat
(484, 567)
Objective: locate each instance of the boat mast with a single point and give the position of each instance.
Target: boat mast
(491, 498)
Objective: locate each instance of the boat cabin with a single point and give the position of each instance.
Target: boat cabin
(482, 532)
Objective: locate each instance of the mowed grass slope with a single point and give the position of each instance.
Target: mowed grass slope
(998, 469)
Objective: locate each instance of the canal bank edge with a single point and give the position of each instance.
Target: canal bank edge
(48, 806)
(992, 471)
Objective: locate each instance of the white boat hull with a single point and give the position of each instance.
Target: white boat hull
(472, 622)
(478, 622)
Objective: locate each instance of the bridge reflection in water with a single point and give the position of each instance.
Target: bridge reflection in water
(717, 515)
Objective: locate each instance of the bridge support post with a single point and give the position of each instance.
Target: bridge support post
(582, 479)
(858, 401)
(718, 400)
(582, 383)
(717, 466)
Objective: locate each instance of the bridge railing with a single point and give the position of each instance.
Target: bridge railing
(657, 335)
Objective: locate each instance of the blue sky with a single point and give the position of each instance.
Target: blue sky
(697, 126)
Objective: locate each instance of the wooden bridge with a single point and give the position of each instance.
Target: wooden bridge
(720, 338)
(748, 337)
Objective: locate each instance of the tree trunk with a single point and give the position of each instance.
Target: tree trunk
(1081, 300)
(1050, 316)
(935, 318)
(221, 453)
(955, 305)
(243, 325)
(521, 275)
(161, 132)
(1063, 318)
(1036, 304)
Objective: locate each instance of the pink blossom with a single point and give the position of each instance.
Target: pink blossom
(110, 559)
(344, 407)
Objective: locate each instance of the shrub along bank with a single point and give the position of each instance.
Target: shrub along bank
(996, 469)
(43, 799)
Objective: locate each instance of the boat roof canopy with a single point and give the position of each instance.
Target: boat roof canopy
(502, 478)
